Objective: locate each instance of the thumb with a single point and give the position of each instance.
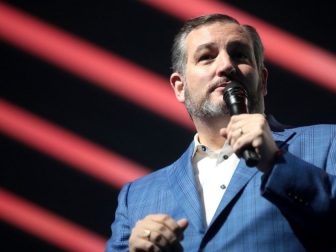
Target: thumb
(223, 132)
(183, 223)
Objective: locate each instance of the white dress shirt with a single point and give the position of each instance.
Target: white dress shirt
(213, 170)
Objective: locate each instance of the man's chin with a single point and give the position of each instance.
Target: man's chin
(215, 111)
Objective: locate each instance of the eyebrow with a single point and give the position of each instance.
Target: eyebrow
(239, 43)
(231, 44)
(205, 46)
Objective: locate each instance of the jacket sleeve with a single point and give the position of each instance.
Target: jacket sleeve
(120, 227)
(304, 193)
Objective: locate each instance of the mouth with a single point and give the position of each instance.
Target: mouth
(219, 87)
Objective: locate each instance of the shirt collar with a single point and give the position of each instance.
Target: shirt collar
(222, 154)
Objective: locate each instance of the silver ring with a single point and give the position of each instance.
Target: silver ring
(146, 234)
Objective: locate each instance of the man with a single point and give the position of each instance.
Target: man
(209, 200)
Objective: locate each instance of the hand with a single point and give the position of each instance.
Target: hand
(157, 232)
(251, 130)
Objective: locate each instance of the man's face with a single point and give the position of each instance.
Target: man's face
(218, 54)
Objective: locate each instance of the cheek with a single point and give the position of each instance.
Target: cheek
(199, 74)
(251, 79)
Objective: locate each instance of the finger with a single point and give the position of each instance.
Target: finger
(237, 122)
(142, 245)
(242, 142)
(245, 124)
(144, 232)
(161, 235)
(239, 117)
(167, 221)
(161, 232)
(160, 240)
(236, 131)
(247, 118)
(183, 223)
(163, 228)
(236, 134)
(223, 132)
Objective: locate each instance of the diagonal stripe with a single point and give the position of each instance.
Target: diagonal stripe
(46, 225)
(67, 147)
(83, 59)
(282, 48)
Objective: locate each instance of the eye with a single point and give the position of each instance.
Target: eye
(240, 55)
(206, 57)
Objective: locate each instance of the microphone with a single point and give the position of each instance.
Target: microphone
(235, 97)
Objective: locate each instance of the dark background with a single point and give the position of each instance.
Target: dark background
(143, 35)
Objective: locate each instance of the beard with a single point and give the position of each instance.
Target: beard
(204, 109)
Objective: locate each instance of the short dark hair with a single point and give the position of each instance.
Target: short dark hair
(179, 56)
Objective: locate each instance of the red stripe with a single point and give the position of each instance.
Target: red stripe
(102, 68)
(282, 48)
(67, 147)
(45, 225)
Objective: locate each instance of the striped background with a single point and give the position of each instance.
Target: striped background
(85, 103)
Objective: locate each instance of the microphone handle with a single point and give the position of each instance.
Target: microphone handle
(249, 154)
(235, 96)
(251, 157)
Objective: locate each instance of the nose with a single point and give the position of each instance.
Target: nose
(225, 65)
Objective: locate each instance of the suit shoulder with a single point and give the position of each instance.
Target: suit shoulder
(156, 181)
(318, 129)
(155, 178)
(160, 176)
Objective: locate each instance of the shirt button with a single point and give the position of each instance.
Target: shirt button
(223, 186)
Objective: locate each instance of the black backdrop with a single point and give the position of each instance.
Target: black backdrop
(142, 34)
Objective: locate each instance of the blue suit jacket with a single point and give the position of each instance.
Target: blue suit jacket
(290, 209)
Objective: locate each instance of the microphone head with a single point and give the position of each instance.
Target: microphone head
(235, 97)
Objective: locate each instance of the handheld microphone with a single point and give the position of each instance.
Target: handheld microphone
(235, 97)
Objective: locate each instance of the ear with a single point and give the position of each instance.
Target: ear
(177, 83)
(264, 78)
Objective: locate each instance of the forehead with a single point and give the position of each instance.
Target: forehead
(220, 33)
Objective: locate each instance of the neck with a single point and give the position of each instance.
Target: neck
(208, 131)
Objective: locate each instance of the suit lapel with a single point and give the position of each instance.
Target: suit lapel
(182, 183)
(244, 174)
(240, 178)
(184, 187)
